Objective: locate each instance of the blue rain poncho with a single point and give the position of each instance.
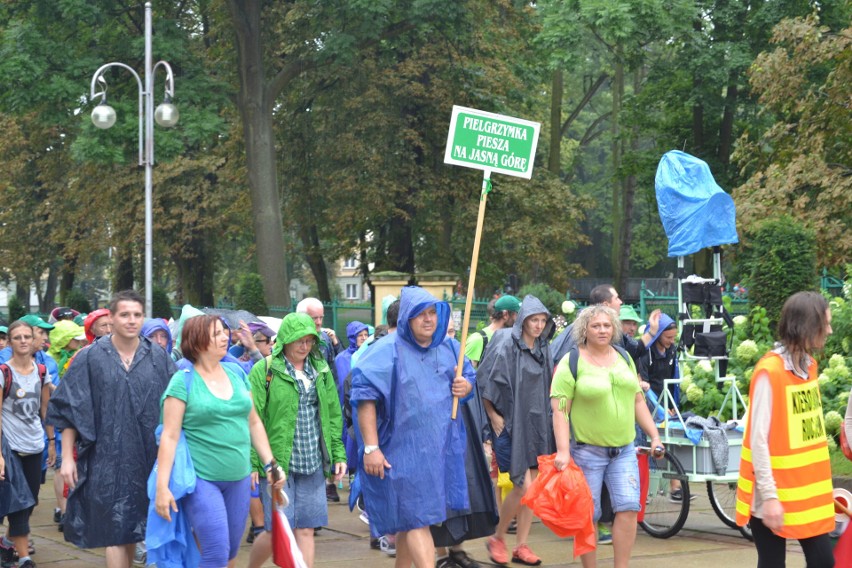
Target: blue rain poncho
(411, 386)
(696, 213)
(343, 363)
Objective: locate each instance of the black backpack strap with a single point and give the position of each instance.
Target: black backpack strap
(574, 358)
(7, 379)
(484, 340)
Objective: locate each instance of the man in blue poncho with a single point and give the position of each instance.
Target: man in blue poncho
(411, 451)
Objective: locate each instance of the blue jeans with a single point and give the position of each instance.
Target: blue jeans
(617, 467)
(308, 508)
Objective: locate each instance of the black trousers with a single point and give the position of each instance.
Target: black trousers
(19, 521)
(772, 549)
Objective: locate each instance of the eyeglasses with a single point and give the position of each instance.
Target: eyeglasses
(261, 341)
(305, 342)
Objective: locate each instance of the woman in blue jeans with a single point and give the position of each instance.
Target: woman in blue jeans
(603, 404)
(220, 424)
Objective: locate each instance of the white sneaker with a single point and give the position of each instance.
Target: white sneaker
(140, 557)
(364, 518)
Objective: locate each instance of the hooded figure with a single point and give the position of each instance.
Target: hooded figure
(411, 388)
(66, 338)
(90, 321)
(660, 362)
(343, 362)
(515, 379)
(156, 324)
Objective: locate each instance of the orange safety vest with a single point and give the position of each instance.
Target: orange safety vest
(798, 452)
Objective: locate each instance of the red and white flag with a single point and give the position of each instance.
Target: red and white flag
(285, 551)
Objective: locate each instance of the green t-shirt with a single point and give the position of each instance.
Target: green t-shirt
(474, 344)
(603, 407)
(216, 430)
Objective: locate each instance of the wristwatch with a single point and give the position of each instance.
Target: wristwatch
(370, 449)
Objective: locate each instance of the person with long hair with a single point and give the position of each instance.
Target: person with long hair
(784, 490)
(220, 423)
(24, 407)
(603, 402)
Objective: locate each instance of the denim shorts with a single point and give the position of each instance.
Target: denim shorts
(308, 508)
(617, 467)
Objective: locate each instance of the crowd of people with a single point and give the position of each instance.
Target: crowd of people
(127, 410)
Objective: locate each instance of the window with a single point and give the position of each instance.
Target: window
(352, 292)
(350, 263)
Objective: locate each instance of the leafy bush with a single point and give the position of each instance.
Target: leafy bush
(16, 309)
(250, 296)
(161, 306)
(779, 260)
(76, 300)
(550, 297)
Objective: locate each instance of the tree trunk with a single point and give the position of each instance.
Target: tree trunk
(195, 276)
(617, 187)
(66, 281)
(52, 282)
(255, 101)
(726, 128)
(554, 162)
(314, 257)
(123, 277)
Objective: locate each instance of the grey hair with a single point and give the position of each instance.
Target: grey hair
(581, 324)
(302, 307)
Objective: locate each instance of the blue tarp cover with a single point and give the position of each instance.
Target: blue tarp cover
(696, 213)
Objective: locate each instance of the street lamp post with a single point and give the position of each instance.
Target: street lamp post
(103, 116)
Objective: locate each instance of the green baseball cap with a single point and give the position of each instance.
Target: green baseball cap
(629, 313)
(4, 329)
(508, 303)
(36, 321)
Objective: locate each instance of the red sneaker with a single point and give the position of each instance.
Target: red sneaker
(497, 551)
(523, 555)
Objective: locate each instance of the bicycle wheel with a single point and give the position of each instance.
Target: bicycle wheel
(723, 499)
(664, 517)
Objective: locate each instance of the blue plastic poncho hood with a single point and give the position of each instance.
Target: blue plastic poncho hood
(152, 325)
(696, 213)
(414, 300)
(353, 328)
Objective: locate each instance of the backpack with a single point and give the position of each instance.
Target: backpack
(7, 377)
(484, 343)
(574, 358)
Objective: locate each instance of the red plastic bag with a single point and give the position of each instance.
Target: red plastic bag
(644, 484)
(843, 550)
(285, 551)
(844, 444)
(563, 502)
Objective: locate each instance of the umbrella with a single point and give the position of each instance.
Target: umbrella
(233, 317)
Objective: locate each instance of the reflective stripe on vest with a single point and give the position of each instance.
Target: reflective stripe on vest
(798, 452)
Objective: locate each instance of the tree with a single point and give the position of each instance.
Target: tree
(251, 296)
(802, 162)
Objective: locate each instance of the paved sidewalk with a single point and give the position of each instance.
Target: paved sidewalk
(703, 543)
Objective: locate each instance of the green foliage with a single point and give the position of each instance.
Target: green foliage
(250, 295)
(759, 326)
(780, 260)
(16, 309)
(840, 340)
(161, 306)
(551, 298)
(75, 299)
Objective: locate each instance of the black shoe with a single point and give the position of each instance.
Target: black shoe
(375, 544)
(446, 562)
(513, 527)
(57, 515)
(461, 559)
(8, 556)
(27, 564)
(31, 547)
(61, 525)
(331, 493)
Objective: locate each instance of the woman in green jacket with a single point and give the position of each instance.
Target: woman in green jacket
(296, 398)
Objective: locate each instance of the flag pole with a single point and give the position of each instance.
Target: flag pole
(486, 189)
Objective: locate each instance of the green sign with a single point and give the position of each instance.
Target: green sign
(493, 142)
